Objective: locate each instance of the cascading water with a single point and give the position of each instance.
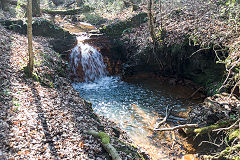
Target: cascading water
(135, 106)
(86, 59)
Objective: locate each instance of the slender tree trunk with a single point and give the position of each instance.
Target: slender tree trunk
(79, 3)
(151, 21)
(36, 8)
(29, 33)
(4, 4)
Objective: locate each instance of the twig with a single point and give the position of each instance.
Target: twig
(234, 88)
(177, 127)
(165, 118)
(233, 125)
(218, 145)
(229, 72)
(199, 51)
(195, 92)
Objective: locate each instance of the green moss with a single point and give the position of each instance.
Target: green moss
(211, 127)
(104, 137)
(233, 135)
(118, 28)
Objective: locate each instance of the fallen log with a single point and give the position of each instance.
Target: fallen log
(177, 127)
(105, 140)
(68, 11)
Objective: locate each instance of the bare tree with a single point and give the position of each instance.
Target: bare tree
(36, 8)
(4, 4)
(151, 21)
(29, 33)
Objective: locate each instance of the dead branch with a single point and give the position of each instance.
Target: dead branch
(165, 118)
(195, 92)
(105, 140)
(232, 126)
(234, 88)
(178, 127)
(199, 51)
(229, 72)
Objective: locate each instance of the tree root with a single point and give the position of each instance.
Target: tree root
(105, 140)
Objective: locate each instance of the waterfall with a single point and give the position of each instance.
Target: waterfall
(86, 62)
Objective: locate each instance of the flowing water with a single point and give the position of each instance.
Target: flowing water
(136, 106)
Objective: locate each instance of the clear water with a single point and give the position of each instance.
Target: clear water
(136, 106)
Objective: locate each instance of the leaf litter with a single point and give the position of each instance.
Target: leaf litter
(44, 118)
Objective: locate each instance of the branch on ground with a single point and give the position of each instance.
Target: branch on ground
(177, 127)
(105, 140)
(165, 118)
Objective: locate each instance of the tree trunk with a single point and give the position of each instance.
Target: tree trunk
(151, 21)
(4, 4)
(29, 33)
(36, 8)
(79, 3)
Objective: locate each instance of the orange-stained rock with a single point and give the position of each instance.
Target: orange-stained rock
(189, 157)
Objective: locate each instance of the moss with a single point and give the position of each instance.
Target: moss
(104, 137)
(233, 135)
(118, 28)
(212, 127)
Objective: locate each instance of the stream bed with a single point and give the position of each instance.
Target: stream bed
(136, 106)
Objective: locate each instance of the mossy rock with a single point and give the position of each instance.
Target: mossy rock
(118, 28)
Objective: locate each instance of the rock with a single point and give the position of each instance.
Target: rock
(118, 28)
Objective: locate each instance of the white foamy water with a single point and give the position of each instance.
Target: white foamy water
(90, 59)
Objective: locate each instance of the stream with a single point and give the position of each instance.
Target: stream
(136, 105)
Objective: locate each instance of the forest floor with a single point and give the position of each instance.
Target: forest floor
(44, 118)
